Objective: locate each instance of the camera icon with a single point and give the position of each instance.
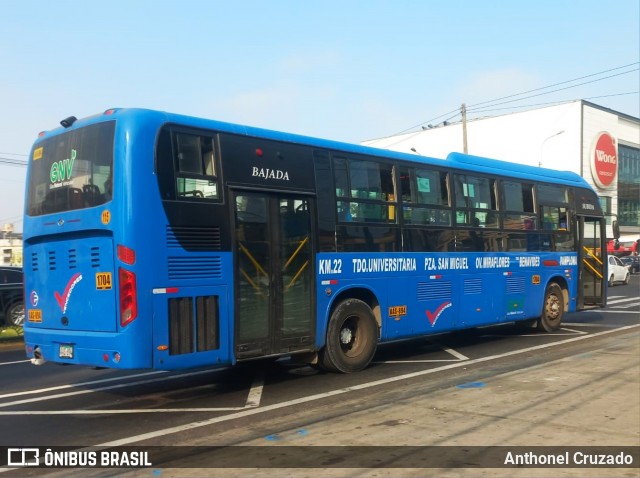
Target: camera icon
(23, 457)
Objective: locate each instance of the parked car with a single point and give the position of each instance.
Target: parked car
(11, 296)
(632, 263)
(617, 272)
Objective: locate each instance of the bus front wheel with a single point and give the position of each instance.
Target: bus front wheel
(352, 338)
(552, 309)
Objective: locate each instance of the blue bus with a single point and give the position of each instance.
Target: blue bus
(161, 241)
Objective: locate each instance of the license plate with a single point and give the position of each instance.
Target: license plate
(66, 351)
(397, 310)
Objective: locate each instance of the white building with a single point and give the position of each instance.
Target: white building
(10, 246)
(600, 144)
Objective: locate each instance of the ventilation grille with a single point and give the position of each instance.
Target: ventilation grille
(73, 259)
(195, 268)
(473, 286)
(194, 238)
(52, 261)
(181, 324)
(515, 285)
(434, 290)
(95, 257)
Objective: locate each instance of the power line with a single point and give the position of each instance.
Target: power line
(424, 122)
(531, 91)
(533, 105)
(15, 154)
(561, 83)
(14, 162)
(11, 219)
(553, 91)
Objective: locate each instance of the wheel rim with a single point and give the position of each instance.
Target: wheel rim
(552, 307)
(346, 337)
(349, 341)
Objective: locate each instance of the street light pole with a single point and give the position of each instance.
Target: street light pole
(543, 143)
(463, 112)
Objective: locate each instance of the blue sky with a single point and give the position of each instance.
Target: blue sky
(345, 70)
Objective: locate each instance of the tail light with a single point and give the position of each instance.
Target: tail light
(128, 297)
(126, 255)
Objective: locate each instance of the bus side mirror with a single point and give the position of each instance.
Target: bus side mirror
(616, 232)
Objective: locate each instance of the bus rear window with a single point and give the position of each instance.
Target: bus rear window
(72, 170)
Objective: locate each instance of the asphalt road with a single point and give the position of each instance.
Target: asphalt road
(288, 404)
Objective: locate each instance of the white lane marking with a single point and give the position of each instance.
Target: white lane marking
(99, 389)
(574, 332)
(319, 396)
(253, 401)
(609, 311)
(255, 394)
(80, 384)
(419, 361)
(626, 306)
(628, 299)
(458, 356)
(12, 363)
(118, 412)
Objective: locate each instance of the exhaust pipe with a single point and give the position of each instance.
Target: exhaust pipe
(37, 357)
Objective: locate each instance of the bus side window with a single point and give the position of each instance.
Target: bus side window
(365, 191)
(554, 218)
(189, 154)
(475, 201)
(421, 190)
(196, 164)
(517, 201)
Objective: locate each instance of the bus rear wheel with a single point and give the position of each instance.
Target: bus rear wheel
(352, 338)
(552, 309)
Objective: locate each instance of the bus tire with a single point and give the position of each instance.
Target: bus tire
(352, 338)
(552, 309)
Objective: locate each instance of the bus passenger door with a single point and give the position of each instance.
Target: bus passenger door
(273, 270)
(592, 265)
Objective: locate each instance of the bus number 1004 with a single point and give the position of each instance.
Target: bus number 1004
(330, 266)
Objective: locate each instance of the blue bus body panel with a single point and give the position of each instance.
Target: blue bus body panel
(125, 349)
(216, 283)
(422, 294)
(71, 284)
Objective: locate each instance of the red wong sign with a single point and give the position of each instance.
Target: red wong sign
(604, 160)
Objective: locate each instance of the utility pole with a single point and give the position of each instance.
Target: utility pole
(463, 112)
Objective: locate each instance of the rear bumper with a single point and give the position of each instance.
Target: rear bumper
(99, 349)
